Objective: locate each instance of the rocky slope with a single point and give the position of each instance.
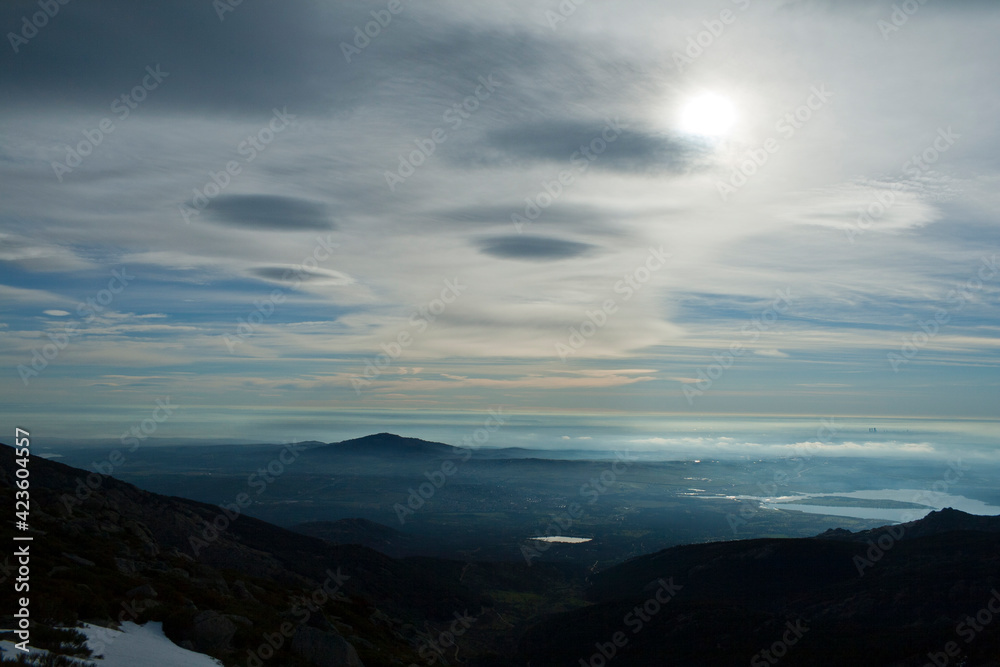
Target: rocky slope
(902, 595)
(229, 585)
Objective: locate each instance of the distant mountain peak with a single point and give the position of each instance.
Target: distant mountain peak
(386, 436)
(948, 518)
(935, 522)
(381, 443)
(949, 512)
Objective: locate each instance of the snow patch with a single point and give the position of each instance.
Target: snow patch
(132, 645)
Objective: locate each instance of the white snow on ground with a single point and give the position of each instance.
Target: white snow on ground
(135, 645)
(8, 653)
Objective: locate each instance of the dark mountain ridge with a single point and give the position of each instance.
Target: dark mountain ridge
(890, 596)
(937, 522)
(381, 444)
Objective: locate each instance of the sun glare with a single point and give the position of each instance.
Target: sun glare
(709, 115)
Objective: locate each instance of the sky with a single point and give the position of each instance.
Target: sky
(274, 213)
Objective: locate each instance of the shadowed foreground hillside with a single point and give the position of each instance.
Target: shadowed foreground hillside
(233, 587)
(226, 585)
(899, 595)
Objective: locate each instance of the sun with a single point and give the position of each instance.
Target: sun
(709, 115)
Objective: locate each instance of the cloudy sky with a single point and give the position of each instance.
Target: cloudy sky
(275, 210)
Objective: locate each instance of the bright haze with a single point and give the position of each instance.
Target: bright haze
(291, 213)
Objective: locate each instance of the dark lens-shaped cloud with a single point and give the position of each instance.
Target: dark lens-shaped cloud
(270, 212)
(533, 248)
(288, 274)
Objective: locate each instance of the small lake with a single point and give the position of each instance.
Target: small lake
(563, 539)
(932, 501)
